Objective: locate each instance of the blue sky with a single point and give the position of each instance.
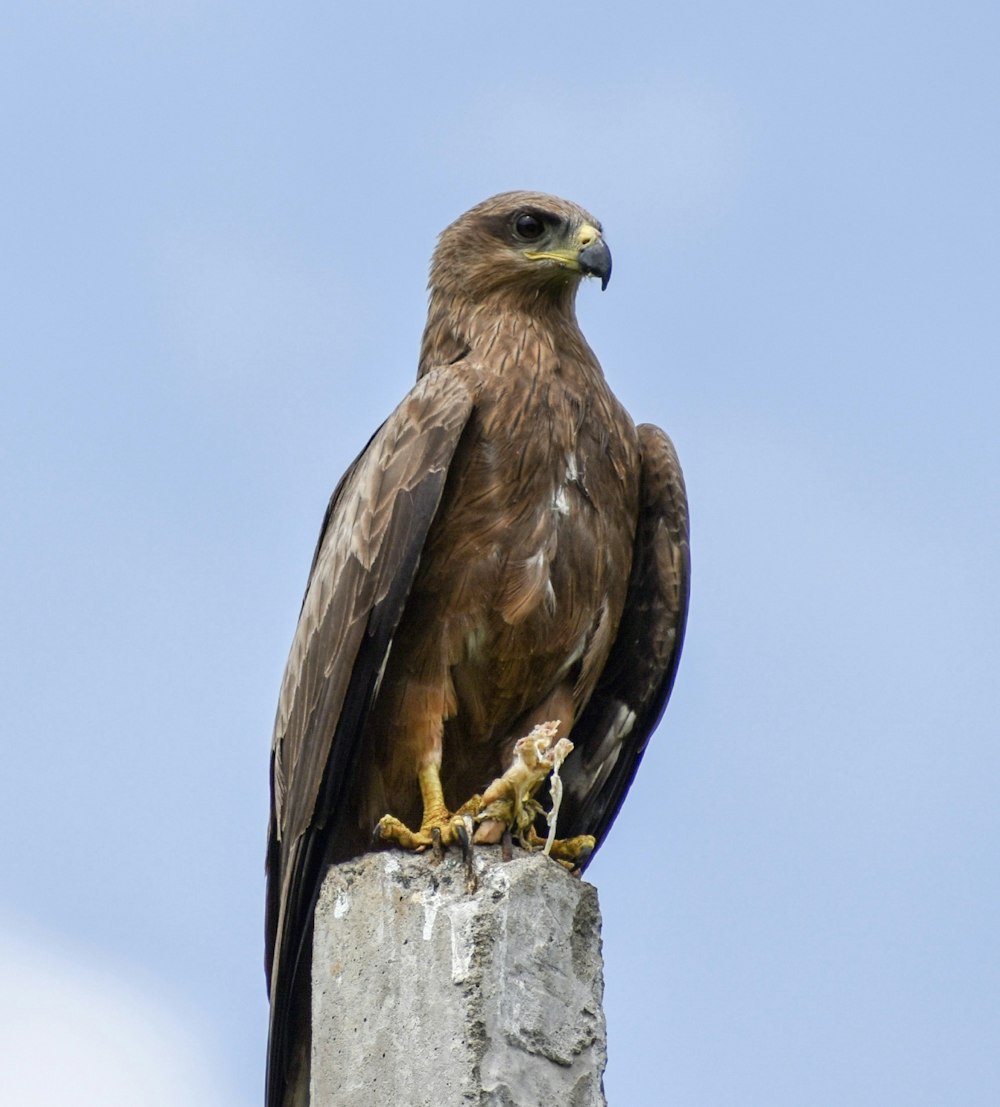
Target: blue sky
(215, 225)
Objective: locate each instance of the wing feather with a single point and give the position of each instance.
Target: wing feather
(368, 551)
(612, 732)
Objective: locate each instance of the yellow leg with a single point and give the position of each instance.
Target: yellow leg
(432, 795)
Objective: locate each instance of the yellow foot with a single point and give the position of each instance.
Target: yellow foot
(571, 853)
(439, 827)
(437, 835)
(437, 831)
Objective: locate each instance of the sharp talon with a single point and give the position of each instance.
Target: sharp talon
(436, 843)
(507, 845)
(463, 832)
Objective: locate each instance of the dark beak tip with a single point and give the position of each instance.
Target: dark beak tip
(595, 261)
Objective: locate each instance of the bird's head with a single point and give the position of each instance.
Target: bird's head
(522, 245)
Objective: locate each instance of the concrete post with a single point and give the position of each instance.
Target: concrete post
(427, 996)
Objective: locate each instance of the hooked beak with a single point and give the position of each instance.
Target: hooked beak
(587, 254)
(595, 261)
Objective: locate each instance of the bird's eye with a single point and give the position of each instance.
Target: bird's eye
(528, 226)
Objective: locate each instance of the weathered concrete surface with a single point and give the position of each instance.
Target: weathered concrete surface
(427, 996)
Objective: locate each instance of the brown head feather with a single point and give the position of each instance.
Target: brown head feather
(481, 273)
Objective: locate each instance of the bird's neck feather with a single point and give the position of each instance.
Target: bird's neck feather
(540, 323)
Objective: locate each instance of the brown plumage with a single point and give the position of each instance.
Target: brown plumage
(522, 548)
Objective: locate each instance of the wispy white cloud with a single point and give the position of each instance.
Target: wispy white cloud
(75, 1032)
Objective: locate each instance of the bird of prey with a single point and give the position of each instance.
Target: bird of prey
(508, 550)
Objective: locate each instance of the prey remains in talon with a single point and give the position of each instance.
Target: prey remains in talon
(507, 805)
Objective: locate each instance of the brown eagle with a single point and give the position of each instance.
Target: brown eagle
(509, 549)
